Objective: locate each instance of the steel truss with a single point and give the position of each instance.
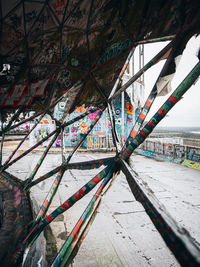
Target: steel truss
(176, 238)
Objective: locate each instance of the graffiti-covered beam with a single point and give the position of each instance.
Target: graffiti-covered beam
(119, 79)
(63, 258)
(23, 140)
(152, 62)
(54, 187)
(62, 146)
(14, 117)
(176, 238)
(9, 127)
(65, 124)
(2, 138)
(153, 94)
(113, 128)
(86, 165)
(134, 141)
(24, 121)
(39, 163)
(38, 228)
(31, 149)
(48, 136)
(156, 40)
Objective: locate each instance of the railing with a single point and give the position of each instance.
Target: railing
(172, 152)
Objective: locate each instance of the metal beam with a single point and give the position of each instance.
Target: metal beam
(176, 238)
(134, 141)
(152, 62)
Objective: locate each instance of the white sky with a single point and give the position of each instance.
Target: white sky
(187, 111)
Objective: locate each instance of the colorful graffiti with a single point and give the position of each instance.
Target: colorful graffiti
(185, 155)
(193, 154)
(102, 130)
(22, 93)
(45, 127)
(113, 51)
(128, 114)
(191, 164)
(74, 132)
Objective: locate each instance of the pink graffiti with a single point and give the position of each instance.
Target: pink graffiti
(74, 130)
(129, 120)
(17, 197)
(93, 115)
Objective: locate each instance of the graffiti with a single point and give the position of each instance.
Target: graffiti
(193, 154)
(59, 7)
(179, 151)
(129, 119)
(74, 62)
(158, 148)
(14, 34)
(168, 150)
(117, 112)
(83, 127)
(75, 127)
(74, 140)
(50, 55)
(39, 72)
(45, 127)
(150, 146)
(43, 19)
(80, 109)
(41, 133)
(189, 156)
(93, 115)
(96, 142)
(65, 52)
(191, 164)
(58, 141)
(129, 112)
(129, 108)
(65, 77)
(16, 21)
(29, 17)
(114, 50)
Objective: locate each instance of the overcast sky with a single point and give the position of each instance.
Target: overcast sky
(187, 111)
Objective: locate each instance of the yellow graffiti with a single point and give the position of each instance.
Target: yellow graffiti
(94, 142)
(191, 164)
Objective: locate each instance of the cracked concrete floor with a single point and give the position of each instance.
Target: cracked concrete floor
(122, 234)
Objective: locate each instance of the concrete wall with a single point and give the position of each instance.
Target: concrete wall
(186, 155)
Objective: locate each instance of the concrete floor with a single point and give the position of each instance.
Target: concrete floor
(122, 234)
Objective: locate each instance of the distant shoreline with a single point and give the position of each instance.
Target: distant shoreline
(184, 132)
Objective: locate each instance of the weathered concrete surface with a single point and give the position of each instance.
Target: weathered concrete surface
(122, 234)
